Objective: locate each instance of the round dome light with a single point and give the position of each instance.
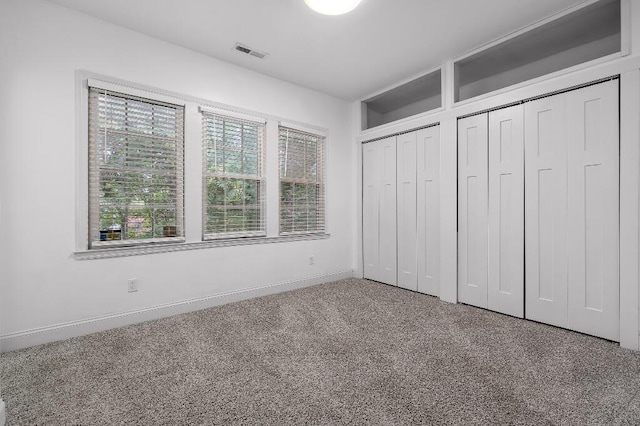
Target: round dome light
(332, 7)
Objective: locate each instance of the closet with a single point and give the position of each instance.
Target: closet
(401, 210)
(538, 210)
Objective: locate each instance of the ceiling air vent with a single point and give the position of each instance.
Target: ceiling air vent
(249, 51)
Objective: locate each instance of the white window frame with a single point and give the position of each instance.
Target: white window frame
(321, 182)
(95, 242)
(261, 123)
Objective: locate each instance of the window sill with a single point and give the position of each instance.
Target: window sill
(119, 244)
(167, 248)
(234, 236)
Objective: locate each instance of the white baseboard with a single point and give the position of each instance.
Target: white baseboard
(39, 336)
(3, 414)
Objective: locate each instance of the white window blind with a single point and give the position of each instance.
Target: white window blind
(136, 170)
(234, 184)
(302, 186)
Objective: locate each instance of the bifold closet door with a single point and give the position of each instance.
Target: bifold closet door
(472, 210)
(546, 210)
(379, 210)
(406, 196)
(572, 210)
(593, 206)
(506, 211)
(370, 209)
(428, 214)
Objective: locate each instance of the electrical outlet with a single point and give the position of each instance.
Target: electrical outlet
(311, 260)
(133, 285)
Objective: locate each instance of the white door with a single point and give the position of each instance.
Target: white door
(506, 211)
(593, 228)
(472, 210)
(379, 210)
(428, 205)
(407, 238)
(370, 209)
(546, 210)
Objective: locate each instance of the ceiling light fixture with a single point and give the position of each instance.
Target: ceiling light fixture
(332, 7)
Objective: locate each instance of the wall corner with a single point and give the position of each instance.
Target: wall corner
(356, 118)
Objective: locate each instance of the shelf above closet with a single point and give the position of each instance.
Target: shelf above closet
(417, 96)
(589, 33)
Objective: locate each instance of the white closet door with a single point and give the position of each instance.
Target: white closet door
(506, 211)
(593, 229)
(472, 210)
(546, 210)
(407, 238)
(388, 238)
(379, 210)
(370, 209)
(428, 205)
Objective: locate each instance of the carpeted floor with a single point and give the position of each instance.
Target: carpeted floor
(349, 352)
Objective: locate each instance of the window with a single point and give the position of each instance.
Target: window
(233, 201)
(135, 170)
(138, 182)
(301, 181)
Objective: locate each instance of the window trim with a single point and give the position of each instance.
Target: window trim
(196, 245)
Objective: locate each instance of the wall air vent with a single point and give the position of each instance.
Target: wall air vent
(242, 49)
(249, 51)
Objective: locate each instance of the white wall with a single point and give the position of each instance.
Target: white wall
(42, 46)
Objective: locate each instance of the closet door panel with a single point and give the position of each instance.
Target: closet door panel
(388, 218)
(379, 210)
(407, 234)
(371, 209)
(593, 230)
(472, 210)
(506, 211)
(546, 210)
(428, 205)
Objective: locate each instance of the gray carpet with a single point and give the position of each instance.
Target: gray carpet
(349, 352)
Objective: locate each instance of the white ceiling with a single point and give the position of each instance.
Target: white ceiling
(381, 43)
